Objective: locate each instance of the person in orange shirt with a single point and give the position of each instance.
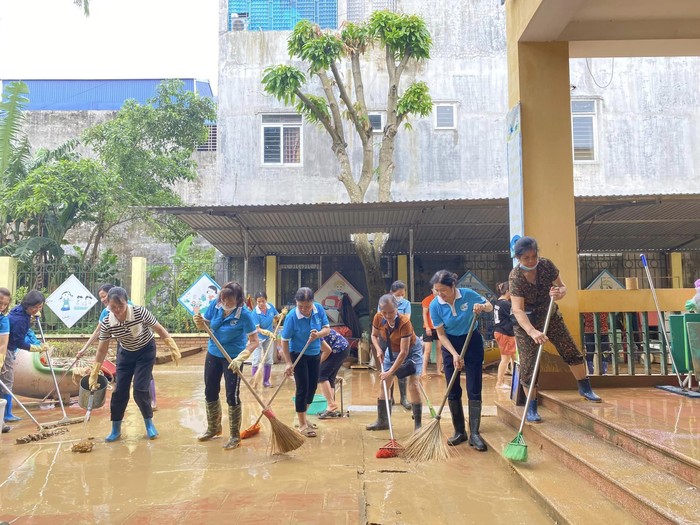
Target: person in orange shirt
(429, 336)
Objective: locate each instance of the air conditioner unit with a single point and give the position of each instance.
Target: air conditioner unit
(239, 21)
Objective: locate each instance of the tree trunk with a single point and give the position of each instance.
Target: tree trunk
(370, 255)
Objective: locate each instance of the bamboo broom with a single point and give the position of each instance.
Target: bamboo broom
(257, 378)
(427, 443)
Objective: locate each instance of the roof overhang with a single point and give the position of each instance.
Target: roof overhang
(618, 223)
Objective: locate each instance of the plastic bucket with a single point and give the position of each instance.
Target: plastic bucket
(99, 396)
(317, 406)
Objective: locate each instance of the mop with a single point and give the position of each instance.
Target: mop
(516, 450)
(683, 387)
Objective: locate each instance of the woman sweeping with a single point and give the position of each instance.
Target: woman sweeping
(503, 332)
(264, 314)
(5, 299)
(403, 357)
(451, 312)
(306, 324)
(132, 326)
(234, 327)
(335, 349)
(532, 283)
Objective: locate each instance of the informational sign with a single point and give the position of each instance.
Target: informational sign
(71, 301)
(605, 281)
(200, 294)
(331, 293)
(471, 281)
(514, 146)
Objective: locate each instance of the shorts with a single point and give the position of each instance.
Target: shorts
(415, 355)
(506, 343)
(329, 368)
(430, 338)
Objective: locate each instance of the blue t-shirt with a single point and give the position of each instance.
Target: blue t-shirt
(265, 320)
(232, 331)
(4, 324)
(404, 306)
(456, 321)
(336, 341)
(297, 329)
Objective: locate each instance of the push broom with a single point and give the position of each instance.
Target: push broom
(255, 427)
(428, 443)
(284, 439)
(65, 419)
(516, 450)
(257, 378)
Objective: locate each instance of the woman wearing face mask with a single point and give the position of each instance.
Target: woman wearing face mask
(398, 290)
(532, 283)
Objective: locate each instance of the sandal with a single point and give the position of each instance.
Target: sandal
(308, 432)
(329, 414)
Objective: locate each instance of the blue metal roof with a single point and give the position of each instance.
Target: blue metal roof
(106, 95)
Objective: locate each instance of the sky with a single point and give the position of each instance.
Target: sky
(52, 39)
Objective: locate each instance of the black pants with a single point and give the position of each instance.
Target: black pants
(139, 366)
(473, 362)
(329, 368)
(306, 377)
(214, 368)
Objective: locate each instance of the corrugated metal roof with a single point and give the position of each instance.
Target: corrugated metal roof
(629, 223)
(104, 95)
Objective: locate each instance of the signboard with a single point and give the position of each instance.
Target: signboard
(200, 294)
(71, 301)
(331, 293)
(605, 281)
(514, 149)
(469, 280)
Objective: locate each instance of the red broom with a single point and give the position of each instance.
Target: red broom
(392, 449)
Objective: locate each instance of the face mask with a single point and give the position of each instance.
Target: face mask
(529, 268)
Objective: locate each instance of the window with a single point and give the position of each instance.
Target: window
(281, 139)
(376, 120)
(210, 143)
(444, 116)
(583, 130)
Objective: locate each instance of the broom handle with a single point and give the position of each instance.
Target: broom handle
(21, 405)
(272, 339)
(455, 373)
(662, 325)
(228, 358)
(53, 373)
(427, 401)
(284, 379)
(537, 365)
(388, 410)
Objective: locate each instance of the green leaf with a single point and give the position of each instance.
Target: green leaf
(415, 100)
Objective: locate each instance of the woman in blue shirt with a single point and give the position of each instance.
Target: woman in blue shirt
(307, 321)
(264, 314)
(451, 312)
(5, 298)
(233, 325)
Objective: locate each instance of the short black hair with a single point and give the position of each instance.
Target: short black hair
(524, 244)
(444, 277)
(118, 293)
(304, 294)
(33, 298)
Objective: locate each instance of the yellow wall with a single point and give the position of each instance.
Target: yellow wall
(676, 270)
(138, 280)
(402, 271)
(271, 278)
(8, 273)
(670, 300)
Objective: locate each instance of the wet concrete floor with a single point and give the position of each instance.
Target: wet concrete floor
(332, 479)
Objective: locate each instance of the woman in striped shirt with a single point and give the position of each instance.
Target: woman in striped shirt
(132, 326)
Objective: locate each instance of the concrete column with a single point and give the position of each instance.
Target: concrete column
(676, 270)
(8, 273)
(271, 278)
(402, 269)
(138, 280)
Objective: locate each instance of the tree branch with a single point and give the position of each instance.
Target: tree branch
(322, 118)
(361, 131)
(333, 104)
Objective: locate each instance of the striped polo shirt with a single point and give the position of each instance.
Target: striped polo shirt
(132, 334)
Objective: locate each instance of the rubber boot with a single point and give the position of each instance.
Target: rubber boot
(116, 432)
(402, 390)
(457, 413)
(474, 424)
(532, 415)
(382, 422)
(150, 428)
(152, 391)
(584, 388)
(604, 369)
(234, 423)
(9, 416)
(213, 421)
(267, 372)
(417, 409)
(253, 369)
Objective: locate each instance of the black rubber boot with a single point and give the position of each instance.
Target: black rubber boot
(213, 421)
(457, 412)
(417, 409)
(234, 423)
(474, 423)
(402, 391)
(584, 388)
(382, 422)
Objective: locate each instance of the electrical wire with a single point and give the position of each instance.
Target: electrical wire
(612, 73)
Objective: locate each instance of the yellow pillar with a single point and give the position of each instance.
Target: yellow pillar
(138, 280)
(539, 80)
(676, 270)
(271, 278)
(8, 273)
(402, 270)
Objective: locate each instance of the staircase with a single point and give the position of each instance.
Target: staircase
(635, 459)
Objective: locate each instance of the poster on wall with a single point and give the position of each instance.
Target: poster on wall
(200, 294)
(605, 281)
(71, 301)
(331, 293)
(469, 280)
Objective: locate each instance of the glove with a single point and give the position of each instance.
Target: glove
(267, 333)
(235, 364)
(46, 347)
(94, 375)
(174, 350)
(36, 348)
(199, 321)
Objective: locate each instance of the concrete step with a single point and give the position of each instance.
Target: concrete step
(629, 430)
(565, 496)
(647, 492)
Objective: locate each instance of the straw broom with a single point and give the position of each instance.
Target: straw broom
(284, 439)
(257, 378)
(392, 449)
(516, 450)
(427, 443)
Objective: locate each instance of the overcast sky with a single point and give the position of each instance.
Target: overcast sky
(120, 39)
